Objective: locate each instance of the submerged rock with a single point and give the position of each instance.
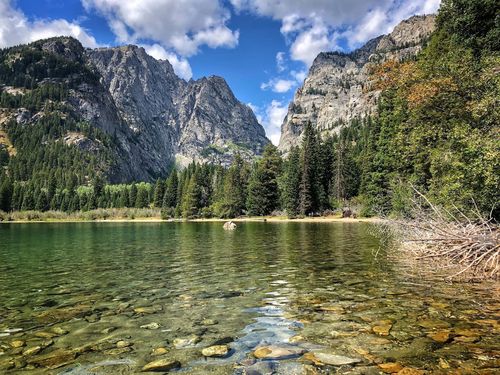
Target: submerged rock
(180, 343)
(440, 336)
(390, 367)
(229, 226)
(32, 351)
(17, 343)
(382, 327)
(54, 359)
(277, 352)
(159, 351)
(152, 325)
(161, 365)
(147, 310)
(319, 358)
(215, 351)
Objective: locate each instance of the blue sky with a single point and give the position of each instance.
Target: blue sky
(263, 48)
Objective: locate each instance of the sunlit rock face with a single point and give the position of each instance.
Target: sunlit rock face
(154, 118)
(337, 88)
(174, 120)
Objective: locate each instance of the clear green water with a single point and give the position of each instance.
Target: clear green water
(313, 286)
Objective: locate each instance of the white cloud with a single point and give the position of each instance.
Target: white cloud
(299, 76)
(315, 26)
(181, 66)
(278, 85)
(15, 28)
(271, 117)
(183, 26)
(280, 62)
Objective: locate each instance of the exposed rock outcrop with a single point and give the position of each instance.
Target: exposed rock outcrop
(154, 118)
(337, 88)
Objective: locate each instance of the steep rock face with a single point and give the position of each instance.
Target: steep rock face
(153, 118)
(213, 124)
(173, 120)
(337, 88)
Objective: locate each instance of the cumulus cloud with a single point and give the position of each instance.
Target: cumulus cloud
(278, 85)
(271, 117)
(181, 66)
(314, 26)
(281, 61)
(15, 28)
(182, 26)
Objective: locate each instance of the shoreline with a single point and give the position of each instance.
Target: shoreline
(263, 219)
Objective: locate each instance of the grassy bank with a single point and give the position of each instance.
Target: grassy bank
(148, 215)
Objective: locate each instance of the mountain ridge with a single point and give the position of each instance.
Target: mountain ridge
(155, 118)
(336, 89)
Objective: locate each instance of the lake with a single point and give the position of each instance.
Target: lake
(108, 298)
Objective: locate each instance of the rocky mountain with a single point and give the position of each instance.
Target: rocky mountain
(337, 88)
(154, 118)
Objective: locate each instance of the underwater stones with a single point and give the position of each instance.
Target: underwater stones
(209, 322)
(46, 335)
(433, 324)
(152, 326)
(123, 344)
(32, 351)
(161, 365)
(296, 338)
(321, 359)
(440, 336)
(108, 330)
(118, 351)
(17, 344)
(64, 314)
(215, 351)
(54, 359)
(390, 367)
(410, 371)
(180, 343)
(148, 310)
(159, 351)
(59, 331)
(382, 327)
(332, 309)
(277, 352)
(92, 318)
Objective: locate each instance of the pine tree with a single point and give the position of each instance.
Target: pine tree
(192, 197)
(142, 199)
(291, 183)
(171, 190)
(263, 190)
(132, 195)
(309, 184)
(235, 185)
(6, 191)
(158, 194)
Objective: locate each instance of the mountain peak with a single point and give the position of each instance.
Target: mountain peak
(334, 91)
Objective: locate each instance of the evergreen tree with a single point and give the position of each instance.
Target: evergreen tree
(132, 195)
(291, 183)
(192, 197)
(158, 194)
(234, 192)
(263, 191)
(309, 184)
(171, 190)
(142, 199)
(6, 192)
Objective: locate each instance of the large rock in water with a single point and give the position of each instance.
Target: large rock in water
(337, 88)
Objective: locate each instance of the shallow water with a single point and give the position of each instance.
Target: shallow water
(323, 288)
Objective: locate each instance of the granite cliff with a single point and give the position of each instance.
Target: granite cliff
(337, 87)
